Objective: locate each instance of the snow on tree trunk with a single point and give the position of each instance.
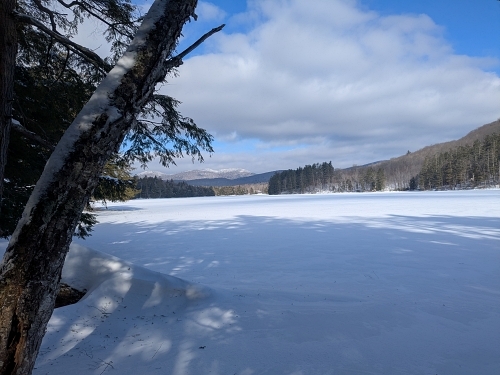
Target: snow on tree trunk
(8, 50)
(31, 268)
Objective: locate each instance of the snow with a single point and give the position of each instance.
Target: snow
(373, 283)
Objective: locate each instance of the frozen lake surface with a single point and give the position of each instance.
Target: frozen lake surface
(382, 283)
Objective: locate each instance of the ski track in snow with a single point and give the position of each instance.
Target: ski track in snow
(382, 283)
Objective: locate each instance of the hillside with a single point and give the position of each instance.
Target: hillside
(463, 163)
(400, 170)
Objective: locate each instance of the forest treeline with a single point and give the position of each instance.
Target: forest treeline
(246, 189)
(461, 167)
(321, 177)
(470, 162)
(154, 187)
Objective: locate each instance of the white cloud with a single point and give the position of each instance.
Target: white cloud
(351, 85)
(209, 12)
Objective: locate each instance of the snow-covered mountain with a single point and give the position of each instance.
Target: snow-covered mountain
(229, 173)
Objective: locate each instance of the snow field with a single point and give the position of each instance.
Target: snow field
(382, 283)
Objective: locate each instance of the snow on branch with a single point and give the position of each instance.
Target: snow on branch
(16, 125)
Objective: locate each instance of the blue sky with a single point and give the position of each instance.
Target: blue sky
(472, 27)
(295, 82)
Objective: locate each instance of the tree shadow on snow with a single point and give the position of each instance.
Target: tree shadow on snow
(293, 296)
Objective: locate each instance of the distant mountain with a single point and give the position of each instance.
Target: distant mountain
(160, 175)
(398, 170)
(253, 179)
(229, 174)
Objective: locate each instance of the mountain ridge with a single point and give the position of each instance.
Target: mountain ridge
(197, 174)
(405, 166)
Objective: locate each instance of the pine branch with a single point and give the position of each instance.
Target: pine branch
(81, 51)
(96, 15)
(16, 125)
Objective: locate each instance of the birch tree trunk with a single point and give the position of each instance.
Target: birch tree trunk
(31, 268)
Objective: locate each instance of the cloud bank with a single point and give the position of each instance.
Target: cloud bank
(329, 80)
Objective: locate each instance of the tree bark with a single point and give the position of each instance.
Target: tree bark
(31, 268)
(8, 51)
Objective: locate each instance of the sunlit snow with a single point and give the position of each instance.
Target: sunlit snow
(382, 283)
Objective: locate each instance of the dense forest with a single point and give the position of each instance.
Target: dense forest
(154, 187)
(461, 167)
(466, 166)
(321, 177)
(405, 169)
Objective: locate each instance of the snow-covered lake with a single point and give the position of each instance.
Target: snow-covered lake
(382, 283)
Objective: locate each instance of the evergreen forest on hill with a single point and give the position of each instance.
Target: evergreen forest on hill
(324, 177)
(465, 166)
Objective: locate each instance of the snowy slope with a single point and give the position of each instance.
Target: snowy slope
(383, 283)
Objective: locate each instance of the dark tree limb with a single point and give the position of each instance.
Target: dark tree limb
(49, 13)
(81, 51)
(96, 15)
(16, 125)
(176, 61)
(65, 64)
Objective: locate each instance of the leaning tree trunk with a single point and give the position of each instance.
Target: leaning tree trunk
(8, 50)
(31, 269)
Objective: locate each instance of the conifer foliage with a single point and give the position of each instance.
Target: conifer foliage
(467, 166)
(302, 180)
(54, 78)
(154, 187)
(324, 177)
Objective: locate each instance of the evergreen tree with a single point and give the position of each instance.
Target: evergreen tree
(45, 103)
(369, 179)
(414, 183)
(55, 77)
(34, 258)
(380, 180)
(116, 182)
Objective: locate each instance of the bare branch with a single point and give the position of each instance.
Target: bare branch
(176, 61)
(65, 64)
(49, 12)
(83, 52)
